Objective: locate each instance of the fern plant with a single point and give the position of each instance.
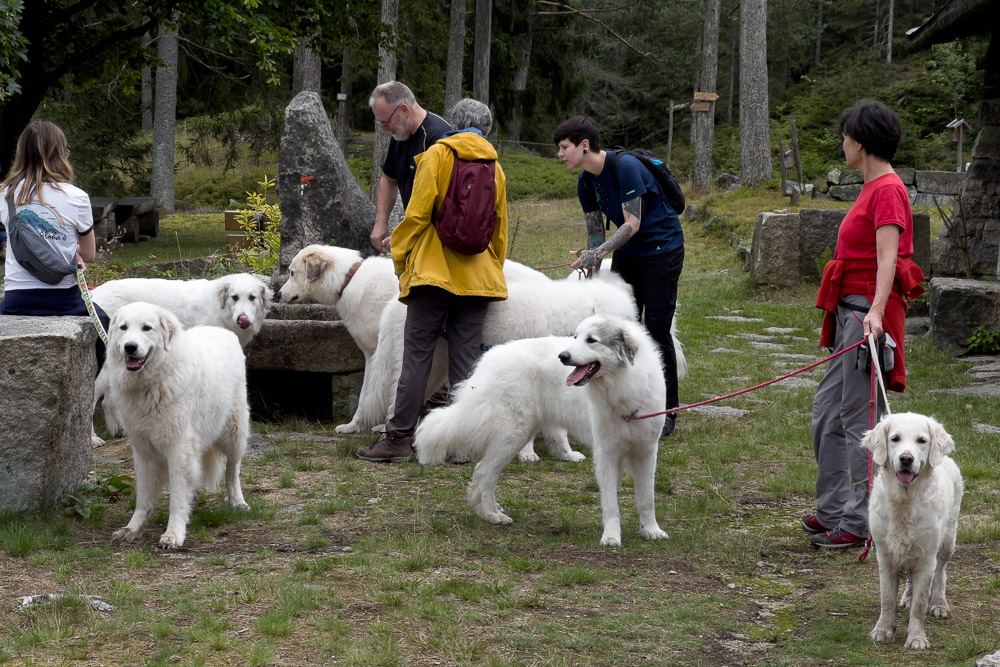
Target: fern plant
(261, 223)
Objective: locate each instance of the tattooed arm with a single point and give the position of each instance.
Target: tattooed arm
(596, 250)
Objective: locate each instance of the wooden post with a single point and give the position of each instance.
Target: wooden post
(795, 149)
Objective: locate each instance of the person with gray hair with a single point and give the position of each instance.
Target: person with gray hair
(413, 130)
(444, 289)
(471, 113)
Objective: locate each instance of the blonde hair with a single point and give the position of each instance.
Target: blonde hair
(42, 157)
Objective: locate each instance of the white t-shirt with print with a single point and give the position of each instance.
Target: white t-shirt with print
(63, 218)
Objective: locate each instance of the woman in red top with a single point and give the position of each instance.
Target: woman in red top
(864, 290)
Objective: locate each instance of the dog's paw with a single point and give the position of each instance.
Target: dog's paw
(498, 518)
(96, 441)
(528, 455)
(611, 541)
(171, 541)
(240, 505)
(917, 643)
(654, 533)
(880, 634)
(939, 610)
(347, 428)
(572, 457)
(124, 535)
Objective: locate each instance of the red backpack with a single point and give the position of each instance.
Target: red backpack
(467, 217)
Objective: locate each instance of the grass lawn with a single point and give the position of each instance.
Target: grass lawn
(341, 561)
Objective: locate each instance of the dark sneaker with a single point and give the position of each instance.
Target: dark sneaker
(388, 450)
(811, 524)
(668, 426)
(837, 539)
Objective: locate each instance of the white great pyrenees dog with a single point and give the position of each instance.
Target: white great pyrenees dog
(614, 372)
(913, 516)
(238, 302)
(181, 396)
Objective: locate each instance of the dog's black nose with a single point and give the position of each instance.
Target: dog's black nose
(564, 357)
(277, 295)
(906, 460)
(130, 348)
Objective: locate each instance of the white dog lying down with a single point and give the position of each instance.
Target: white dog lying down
(181, 396)
(913, 516)
(615, 371)
(238, 302)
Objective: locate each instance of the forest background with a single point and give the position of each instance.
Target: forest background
(623, 62)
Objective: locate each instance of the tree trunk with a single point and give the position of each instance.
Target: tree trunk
(513, 129)
(733, 73)
(481, 69)
(147, 90)
(386, 72)
(704, 121)
(306, 70)
(344, 100)
(165, 119)
(819, 31)
(755, 135)
(456, 55)
(888, 35)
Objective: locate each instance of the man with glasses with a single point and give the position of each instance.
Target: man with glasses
(413, 130)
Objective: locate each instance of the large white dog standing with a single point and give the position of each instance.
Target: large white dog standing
(913, 517)
(181, 396)
(521, 386)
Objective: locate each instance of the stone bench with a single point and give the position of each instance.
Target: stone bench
(959, 306)
(304, 362)
(47, 369)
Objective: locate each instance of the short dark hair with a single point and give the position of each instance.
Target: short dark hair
(576, 129)
(873, 125)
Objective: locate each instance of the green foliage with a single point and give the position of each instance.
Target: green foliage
(531, 177)
(111, 488)
(261, 223)
(13, 45)
(984, 341)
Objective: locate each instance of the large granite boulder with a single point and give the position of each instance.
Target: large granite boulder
(320, 200)
(774, 254)
(959, 306)
(817, 239)
(47, 369)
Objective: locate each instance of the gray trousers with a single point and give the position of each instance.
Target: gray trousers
(427, 311)
(840, 417)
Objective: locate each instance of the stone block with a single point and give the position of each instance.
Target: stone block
(304, 345)
(845, 192)
(833, 176)
(724, 180)
(939, 182)
(922, 241)
(906, 174)
(47, 369)
(959, 306)
(927, 199)
(851, 177)
(774, 255)
(817, 239)
(303, 311)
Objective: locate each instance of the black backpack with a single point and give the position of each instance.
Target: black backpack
(671, 188)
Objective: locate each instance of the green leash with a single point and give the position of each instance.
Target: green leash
(85, 292)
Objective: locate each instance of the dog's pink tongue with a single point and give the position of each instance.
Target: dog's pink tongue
(133, 362)
(243, 321)
(578, 374)
(905, 477)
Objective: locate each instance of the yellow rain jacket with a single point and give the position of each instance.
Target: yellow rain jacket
(419, 255)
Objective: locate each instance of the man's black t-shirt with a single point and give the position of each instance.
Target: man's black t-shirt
(399, 164)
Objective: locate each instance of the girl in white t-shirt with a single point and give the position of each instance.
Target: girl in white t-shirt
(40, 183)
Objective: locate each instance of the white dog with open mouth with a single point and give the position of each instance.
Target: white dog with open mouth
(181, 396)
(913, 517)
(518, 387)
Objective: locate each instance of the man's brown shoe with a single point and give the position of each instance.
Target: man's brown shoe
(388, 450)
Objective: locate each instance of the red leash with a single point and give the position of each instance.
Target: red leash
(744, 391)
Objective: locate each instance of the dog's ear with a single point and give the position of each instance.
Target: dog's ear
(626, 346)
(875, 441)
(265, 297)
(223, 293)
(942, 443)
(169, 326)
(315, 265)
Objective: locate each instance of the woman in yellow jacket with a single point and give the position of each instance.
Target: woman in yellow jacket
(443, 289)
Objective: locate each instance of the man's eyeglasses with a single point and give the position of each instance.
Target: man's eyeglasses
(388, 120)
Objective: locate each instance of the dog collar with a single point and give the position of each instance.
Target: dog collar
(347, 278)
